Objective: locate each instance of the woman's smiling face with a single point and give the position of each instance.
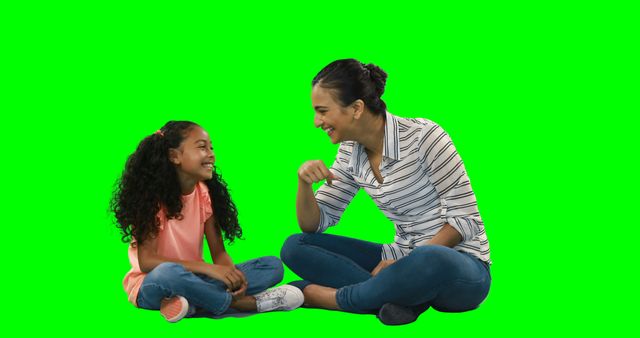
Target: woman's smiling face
(330, 115)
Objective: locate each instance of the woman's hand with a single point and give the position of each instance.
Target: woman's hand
(315, 171)
(382, 265)
(233, 278)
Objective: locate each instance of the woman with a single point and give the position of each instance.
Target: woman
(440, 254)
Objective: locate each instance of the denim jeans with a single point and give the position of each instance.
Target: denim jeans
(433, 275)
(171, 279)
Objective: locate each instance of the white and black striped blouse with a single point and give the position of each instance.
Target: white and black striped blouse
(425, 186)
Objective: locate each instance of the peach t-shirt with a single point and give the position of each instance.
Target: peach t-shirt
(177, 239)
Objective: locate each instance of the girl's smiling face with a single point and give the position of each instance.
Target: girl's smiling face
(194, 158)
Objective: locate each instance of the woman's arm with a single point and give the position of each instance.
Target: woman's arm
(307, 209)
(447, 236)
(447, 173)
(317, 212)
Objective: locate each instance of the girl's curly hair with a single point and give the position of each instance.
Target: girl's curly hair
(150, 180)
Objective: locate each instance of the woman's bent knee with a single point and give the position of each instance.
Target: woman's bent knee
(290, 248)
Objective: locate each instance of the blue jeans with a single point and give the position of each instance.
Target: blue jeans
(172, 279)
(437, 276)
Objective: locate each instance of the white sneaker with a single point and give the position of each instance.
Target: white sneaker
(283, 298)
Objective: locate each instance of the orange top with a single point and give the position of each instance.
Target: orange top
(177, 239)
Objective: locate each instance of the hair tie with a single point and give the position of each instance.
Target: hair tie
(159, 132)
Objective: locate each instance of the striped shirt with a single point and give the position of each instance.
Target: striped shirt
(425, 186)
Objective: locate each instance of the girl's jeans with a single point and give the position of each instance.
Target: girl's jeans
(171, 279)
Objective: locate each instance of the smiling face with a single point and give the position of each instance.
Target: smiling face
(194, 158)
(336, 120)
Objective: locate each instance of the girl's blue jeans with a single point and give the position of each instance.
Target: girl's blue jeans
(172, 279)
(432, 275)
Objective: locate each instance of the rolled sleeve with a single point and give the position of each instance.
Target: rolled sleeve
(446, 171)
(333, 199)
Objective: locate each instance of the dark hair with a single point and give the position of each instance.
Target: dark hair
(150, 180)
(355, 80)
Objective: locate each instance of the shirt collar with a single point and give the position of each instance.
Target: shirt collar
(390, 145)
(391, 142)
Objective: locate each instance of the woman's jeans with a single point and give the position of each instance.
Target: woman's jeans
(432, 275)
(172, 279)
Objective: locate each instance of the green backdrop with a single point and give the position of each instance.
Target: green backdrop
(540, 100)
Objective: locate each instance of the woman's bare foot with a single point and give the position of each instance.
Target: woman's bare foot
(320, 297)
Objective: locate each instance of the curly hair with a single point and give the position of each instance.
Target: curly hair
(150, 181)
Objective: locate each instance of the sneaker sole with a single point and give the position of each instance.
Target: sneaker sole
(175, 308)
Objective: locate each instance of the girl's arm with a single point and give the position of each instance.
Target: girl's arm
(219, 254)
(148, 259)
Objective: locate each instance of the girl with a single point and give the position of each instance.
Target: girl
(440, 254)
(168, 198)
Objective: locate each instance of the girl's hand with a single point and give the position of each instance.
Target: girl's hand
(239, 293)
(382, 265)
(315, 171)
(232, 277)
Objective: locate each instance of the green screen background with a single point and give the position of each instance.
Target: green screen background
(540, 100)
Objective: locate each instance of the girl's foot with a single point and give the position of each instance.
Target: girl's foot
(282, 298)
(175, 308)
